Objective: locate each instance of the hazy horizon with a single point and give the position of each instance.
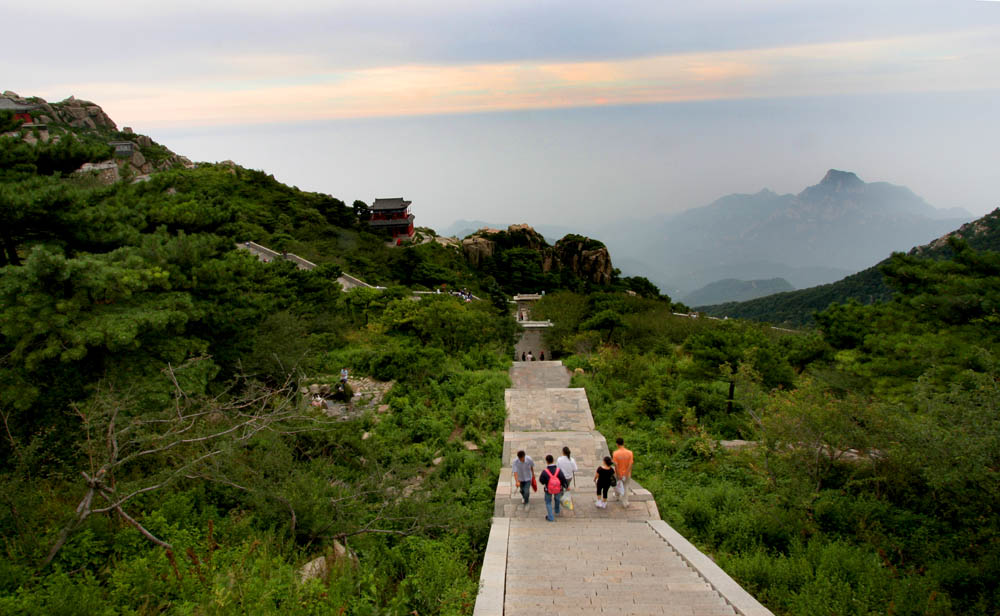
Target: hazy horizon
(593, 165)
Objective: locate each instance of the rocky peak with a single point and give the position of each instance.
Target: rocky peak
(836, 181)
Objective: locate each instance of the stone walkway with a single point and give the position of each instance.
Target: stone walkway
(618, 560)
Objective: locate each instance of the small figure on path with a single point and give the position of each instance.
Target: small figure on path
(623, 469)
(567, 465)
(523, 358)
(603, 477)
(343, 375)
(541, 357)
(555, 482)
(524, 471)
(530, 356)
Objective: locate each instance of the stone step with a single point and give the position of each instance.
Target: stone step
(600, 566)
(547, 409)
(539, 375)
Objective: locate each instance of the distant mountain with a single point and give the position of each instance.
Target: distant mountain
(838, 226)
(867, 286)
(732, 289)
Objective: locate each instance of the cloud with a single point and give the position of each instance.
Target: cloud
(259, 87)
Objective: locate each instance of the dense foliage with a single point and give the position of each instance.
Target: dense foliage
(156, 451)
(864, 480)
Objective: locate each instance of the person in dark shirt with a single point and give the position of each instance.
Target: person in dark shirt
(552, 471)
(603, 477)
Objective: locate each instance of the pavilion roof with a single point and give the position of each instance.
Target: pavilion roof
(7, 104)
(396, 203)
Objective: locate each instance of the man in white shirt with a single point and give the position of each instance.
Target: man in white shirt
(567, 465)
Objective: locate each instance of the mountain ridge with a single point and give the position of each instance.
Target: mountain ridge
(839, 225)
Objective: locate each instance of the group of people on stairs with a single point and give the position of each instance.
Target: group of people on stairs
(557, 477)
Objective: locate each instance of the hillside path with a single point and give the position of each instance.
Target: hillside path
(590, 561)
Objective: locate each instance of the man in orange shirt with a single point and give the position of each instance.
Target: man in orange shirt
(623, 468)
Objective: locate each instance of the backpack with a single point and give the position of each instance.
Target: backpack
(554, 485)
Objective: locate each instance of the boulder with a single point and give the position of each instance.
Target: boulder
(127, 130)
(314, 569)
(469, 445)
(84, 122)
(77, 113)
(144, 141)
(137, 160)
(477, 249)
(319, 567)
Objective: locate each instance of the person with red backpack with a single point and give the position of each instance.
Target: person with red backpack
(555, 482)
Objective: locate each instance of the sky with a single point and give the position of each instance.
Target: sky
(546, 112)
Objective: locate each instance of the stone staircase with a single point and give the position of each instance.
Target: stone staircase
(618, 560)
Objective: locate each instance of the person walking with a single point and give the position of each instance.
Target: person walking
(568, 466)
(603, 478)
(554, 482)
(524, 472)
(623, 469)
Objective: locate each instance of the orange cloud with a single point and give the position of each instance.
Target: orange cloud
(264, 89)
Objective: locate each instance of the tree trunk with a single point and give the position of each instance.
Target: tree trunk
(732, 392)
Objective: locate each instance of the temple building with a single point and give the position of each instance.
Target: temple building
(392, 217)
(21, 111)
(123, 149)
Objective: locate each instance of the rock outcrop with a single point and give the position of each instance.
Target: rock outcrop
(78, 113)
(477, 249)
(585, 258)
